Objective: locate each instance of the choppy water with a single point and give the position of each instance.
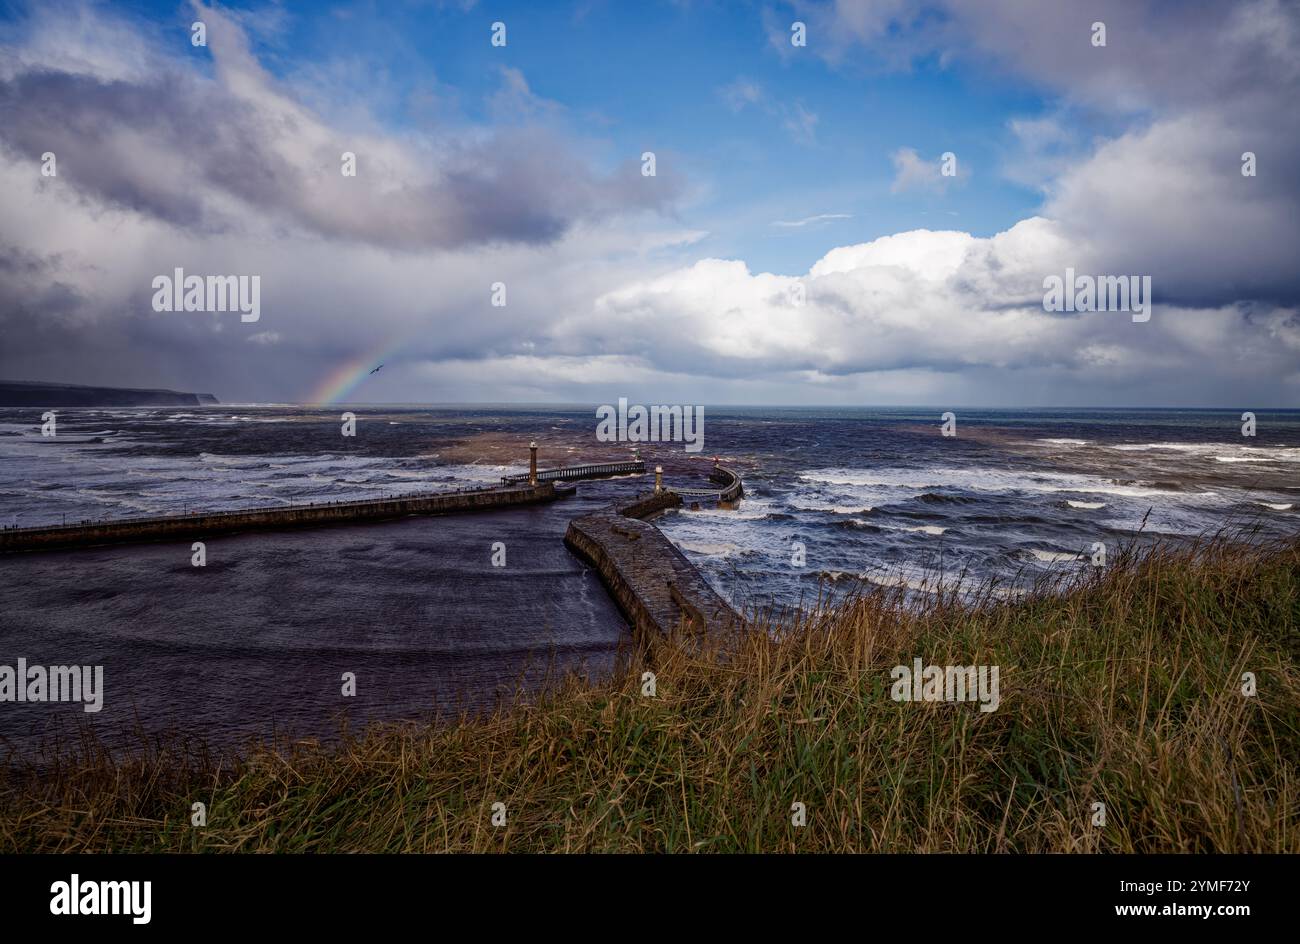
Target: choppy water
(881, 497)
(258, 640)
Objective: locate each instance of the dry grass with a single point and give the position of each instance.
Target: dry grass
(1124, 689)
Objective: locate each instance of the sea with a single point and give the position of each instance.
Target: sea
(427, 621)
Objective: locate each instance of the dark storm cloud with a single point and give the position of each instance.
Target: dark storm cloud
(75, 117)
(35, 287)
(178, 148)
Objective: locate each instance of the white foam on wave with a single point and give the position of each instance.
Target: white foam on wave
(419, 475)
(1055, 557)
(710, 550)
(1276, 506)
(754, 506)
(1088, 505)
(1219, 452)
(920, 581)
(974, 479)
(927, 529)
(1177, 447)
(112, 499)
(833, 509)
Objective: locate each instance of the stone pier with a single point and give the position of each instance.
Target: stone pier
(201, 526)
(657, 588)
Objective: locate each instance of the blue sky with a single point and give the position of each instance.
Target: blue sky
(797, 245)
(633, 77)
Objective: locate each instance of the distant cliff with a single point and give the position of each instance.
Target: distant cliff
(27, 393)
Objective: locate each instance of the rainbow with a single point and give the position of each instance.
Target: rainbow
(343, 380)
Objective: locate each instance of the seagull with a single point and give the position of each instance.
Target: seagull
(376, 370)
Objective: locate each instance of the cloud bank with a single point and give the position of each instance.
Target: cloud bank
(171, 160)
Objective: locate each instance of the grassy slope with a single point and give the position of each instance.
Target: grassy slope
(1124, 690)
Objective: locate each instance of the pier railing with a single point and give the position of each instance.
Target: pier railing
(731, 486)
(575, 472)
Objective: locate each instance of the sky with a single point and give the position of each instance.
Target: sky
(797, 243)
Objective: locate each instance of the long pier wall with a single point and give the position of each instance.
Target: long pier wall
(656, 587)
(197, 527)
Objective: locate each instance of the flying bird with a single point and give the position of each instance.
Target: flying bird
(376, 370)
